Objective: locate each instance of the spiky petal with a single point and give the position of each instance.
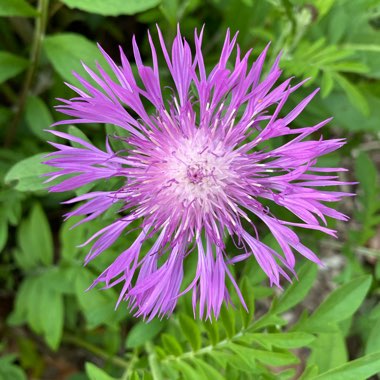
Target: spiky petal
(197, 172)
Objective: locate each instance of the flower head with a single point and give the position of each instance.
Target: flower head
(198, 170)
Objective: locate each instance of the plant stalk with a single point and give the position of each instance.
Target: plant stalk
(39, 34)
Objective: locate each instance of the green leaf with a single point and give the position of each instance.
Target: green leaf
(339, 305)
(24, 296)
(95, 373)
(275, 358)
(248, 295)
(359, 369)
(112, 7)
(281, 340)
(35, 238)
(207, 369)
(191, 331)
(310, 372)
(373, 341)
(8, 370)
(98, 306)
(366, 173)
(355, 96)
(297, 291)
(38, 118)
(20, 8)
(3, 234)
(142, 332)
(228, 319)
(70, 238)
(212, 331)
(187, 371)
(171, 345)
(324, 358)
(75, 131)
(66, 51)
(52, 325)
(327, 84)
(25, 175)
(41, 307)
(243, 358)
(10, 64)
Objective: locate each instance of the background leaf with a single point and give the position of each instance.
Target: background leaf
(112, 7)
(11, 65)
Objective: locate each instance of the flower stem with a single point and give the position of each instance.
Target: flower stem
(39, 34)
(153, 363)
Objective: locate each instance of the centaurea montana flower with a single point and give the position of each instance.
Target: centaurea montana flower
(197, 169)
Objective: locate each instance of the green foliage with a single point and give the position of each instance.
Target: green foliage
(329, 61)
(11, 65)
(368, 196)
(9, 370)
(338, 306)
(19, 8)
(95, 373)
(143, 332)
(67, 51)
(35, 240)
(362, 368)
(112, 7)
(45, 305)
(26, 175)
(197, 351)
(38, 118)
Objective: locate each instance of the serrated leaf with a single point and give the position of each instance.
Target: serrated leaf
(25, 175)
(10, 64)
(191, 331)
(142, 332)
(359, 369)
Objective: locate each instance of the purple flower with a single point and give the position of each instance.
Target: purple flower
(196, 172)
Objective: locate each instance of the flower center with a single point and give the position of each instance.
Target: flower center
(198, 170)
(195, 174)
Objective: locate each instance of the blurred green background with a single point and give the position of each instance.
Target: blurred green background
(324, 326)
